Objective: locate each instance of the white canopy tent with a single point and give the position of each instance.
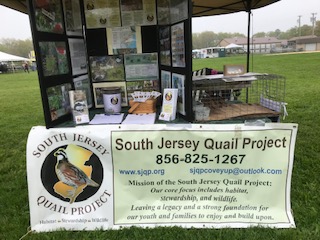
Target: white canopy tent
(234, 46)
(9, 59)
(5, 57)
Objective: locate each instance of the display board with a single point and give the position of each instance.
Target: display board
(203, 176)
(110, 41)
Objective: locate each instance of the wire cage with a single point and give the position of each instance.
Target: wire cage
(239, 97)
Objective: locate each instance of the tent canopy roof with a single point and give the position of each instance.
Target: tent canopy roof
(233, 45)
(200, 7)
(5, 57)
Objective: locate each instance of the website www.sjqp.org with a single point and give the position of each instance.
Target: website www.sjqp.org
(142, 172)
(234, 171)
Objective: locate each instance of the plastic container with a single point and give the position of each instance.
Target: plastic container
(112, 100)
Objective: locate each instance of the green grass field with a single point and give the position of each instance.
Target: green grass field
(21, 109)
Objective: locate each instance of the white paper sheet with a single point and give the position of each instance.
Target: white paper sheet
(107, 119)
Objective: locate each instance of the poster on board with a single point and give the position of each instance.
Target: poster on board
(102, 14)
(78, 56)
(138, 12)
(72, 16)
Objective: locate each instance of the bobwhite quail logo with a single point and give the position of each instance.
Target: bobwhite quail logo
(72, 173)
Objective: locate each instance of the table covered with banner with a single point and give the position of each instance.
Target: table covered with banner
(187, 175)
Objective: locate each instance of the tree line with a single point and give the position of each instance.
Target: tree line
(17, 47)
(212, 39)
(205, 39)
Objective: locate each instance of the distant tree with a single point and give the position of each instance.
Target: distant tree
(317, 29)
(211, 39)
(17, 47)
(259, 35)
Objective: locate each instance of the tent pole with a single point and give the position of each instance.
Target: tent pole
(248, 39)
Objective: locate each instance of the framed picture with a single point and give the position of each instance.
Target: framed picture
(98, 89)
(141, 66)
(58, 99)
(54, 58)
(232, 70)
(48, 16)
(107, 68)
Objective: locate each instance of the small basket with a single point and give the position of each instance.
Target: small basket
(149, 106)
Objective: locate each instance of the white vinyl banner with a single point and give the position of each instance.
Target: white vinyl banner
(188, 175)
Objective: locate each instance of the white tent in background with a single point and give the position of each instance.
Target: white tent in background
(5, 57)
(235, 46)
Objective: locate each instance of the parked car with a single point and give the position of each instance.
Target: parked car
(3, 67)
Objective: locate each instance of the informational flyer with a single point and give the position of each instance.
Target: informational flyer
(102, 14)
(124, 40)
(152, 175)
(83, 83)
(72, 16)
(178, 81)
(138, 12)
(177, 45)
(141, 66)
(78, 56)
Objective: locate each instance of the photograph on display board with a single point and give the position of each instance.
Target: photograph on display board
(102, 14)
(124, 40)
(48, 16)
(165, 80)
(178, 81)
(54, 59)
(107, 68)
(83, 83)
(58, 99)
(178, 10)
(142, 86)
(165, 48)
(141, 66)
(138, 12)
(163, 11)
(72, 16)
(177, 45)
(78, 56)
(98, 89)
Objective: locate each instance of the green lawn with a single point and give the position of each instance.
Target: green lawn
(21, 109)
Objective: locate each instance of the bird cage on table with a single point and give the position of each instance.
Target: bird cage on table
(249, 96)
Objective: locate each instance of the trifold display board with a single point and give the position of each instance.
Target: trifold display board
(137, 45)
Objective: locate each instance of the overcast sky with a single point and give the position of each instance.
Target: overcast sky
(282, 15)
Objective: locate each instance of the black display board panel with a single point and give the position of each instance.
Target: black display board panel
(48, 81)
(96, 42)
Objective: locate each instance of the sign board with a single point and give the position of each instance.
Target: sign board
(188, 175)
